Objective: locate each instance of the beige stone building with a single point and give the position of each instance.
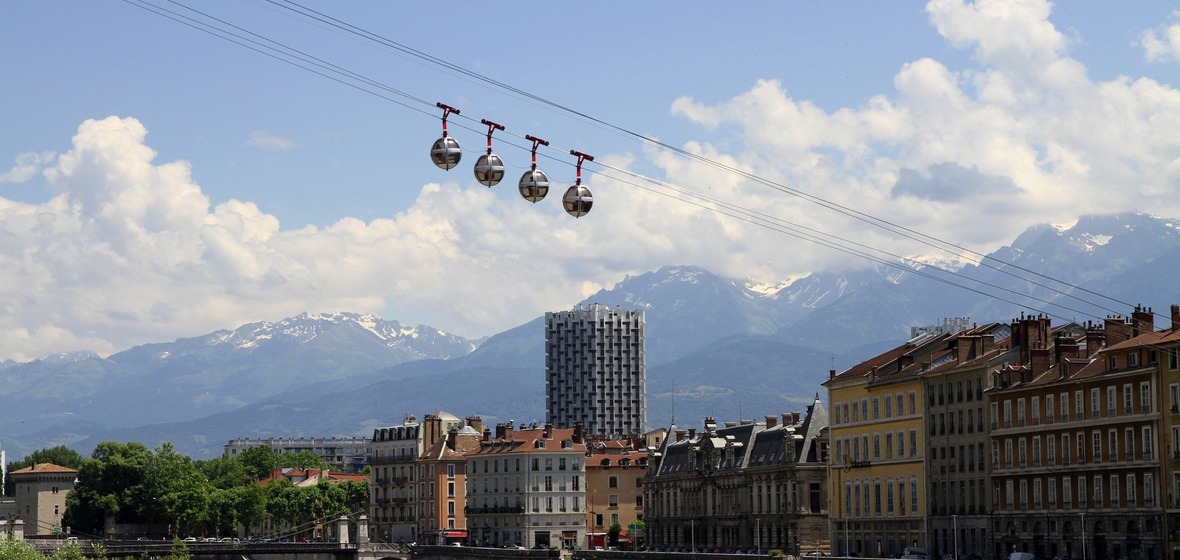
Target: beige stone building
(41, 496)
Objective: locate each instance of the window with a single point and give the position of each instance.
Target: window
(1113, 447)
(1144, 397)
(561, 464)
(888, 407)
(889, 497)
(913, 443)
(913, 495)
(1097, 490)
(1132, 496)
(1065, 449)
(1145, 443)
(1020, 412)
(900, 444)
(900, 405)
(876, 446)
(1129, 444)
(451, 471)
(1036, 410)
(1082, 491)
(876, 408)
(1066, 492)
(613, 482)
(1114, 490)
(1096, 456)
(1049, 409)
(888, 445)
(450, 489)
(1079, 405)
(1127, 398)
(548, 483)
(613, 500)
(1114, 362)
(1051, 450)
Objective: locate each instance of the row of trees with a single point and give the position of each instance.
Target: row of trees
(162, 492)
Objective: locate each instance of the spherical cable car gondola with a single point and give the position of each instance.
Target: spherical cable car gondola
(446, 153)
(534, 184)
(489, 169)
(578, 200)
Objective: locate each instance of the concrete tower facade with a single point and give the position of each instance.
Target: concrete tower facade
(595, 370)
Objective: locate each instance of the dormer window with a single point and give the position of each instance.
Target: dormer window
(1132, 359)
(1114, 362)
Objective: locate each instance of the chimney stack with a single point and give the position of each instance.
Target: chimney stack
(680, 435)
(1175, 316)
(1038, 362)
(1117, 329)
(771, 421)
(548, 434)
(692, 433)
(1143, 320)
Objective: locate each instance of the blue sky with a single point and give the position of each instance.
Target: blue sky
(158, 182)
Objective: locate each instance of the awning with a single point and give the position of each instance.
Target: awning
(455, 534)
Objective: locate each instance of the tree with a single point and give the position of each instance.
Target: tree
(613, 533)
(301, 460)
(12, 549)
(110, 483)
(258, 462)
(61, 456)
(223, 472)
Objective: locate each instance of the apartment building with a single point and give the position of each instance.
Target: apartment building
(341, 454)
(526, 487)
(879, 450)
(595, 370)
(614, 489)
(750, 486)
(393, 474)
(957, 435)
(1075, 432)
(442, 480)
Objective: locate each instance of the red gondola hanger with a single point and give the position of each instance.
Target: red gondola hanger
(445, 153)
(534, 184)
(489, 169)
(578, 200)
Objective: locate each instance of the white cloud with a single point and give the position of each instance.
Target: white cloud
(267, 141)
(26, 166)
(1162, 44)
(131, 250)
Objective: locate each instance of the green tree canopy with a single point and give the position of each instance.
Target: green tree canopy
(301, 460)
(258, 462)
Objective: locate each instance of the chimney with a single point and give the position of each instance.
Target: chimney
(771, 421)
(548, 434)
(578, 432)
(1117, 329)
(1067, 347)
(452, 435)
(476, 423)
(500, 430)
(1143, 320)
(730, 424)
(1038, 361)
(904, 361)
(680, 435)
(794, 418)
(487, 434)
(692, 433)
(832, 372)
(965, 348)
(1095, 339)
(786, 418)
(987, 342)
(1175, 316)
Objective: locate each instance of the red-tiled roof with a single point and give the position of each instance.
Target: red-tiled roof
(44, 468)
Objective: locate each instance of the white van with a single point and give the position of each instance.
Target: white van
(1021, 556)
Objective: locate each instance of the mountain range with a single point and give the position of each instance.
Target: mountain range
(716, 346)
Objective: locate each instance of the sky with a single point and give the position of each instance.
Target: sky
(158, 181)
